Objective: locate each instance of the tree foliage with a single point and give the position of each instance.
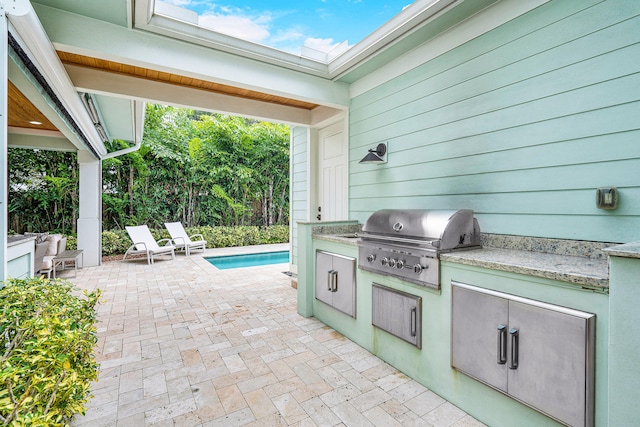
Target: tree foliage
(198, 168)
(43, 190)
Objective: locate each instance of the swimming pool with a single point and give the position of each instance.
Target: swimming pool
(248, 260)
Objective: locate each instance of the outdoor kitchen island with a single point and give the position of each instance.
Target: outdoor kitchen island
(563, 278)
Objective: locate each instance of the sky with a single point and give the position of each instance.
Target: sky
(289, 24)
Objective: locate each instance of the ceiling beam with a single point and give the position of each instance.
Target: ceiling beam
(103, 82)
(43, 140)
(76, 34)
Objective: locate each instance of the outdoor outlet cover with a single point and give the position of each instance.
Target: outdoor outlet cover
(607, 198)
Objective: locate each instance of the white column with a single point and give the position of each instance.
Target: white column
(4, 189)
(90, 213)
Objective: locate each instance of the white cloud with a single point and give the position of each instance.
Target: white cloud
(322, 45)
(254, 29)
(287, 36)
(257, 26)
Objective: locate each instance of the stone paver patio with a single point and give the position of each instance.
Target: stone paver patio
(184, 344)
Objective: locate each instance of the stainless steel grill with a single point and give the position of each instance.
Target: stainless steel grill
(407, 243)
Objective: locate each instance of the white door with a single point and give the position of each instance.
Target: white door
(332, 174)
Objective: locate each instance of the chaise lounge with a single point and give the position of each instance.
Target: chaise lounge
(144, 243)
(182, 241)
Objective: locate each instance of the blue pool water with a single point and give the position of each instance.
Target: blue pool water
(249, 260)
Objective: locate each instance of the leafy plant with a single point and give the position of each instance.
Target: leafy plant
(48, 336)
(195, 167)
(115, 242)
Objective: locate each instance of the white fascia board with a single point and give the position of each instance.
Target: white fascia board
(413, 16)
(43, 140)
(162, 19)
(34, 95)
(483, 22)
(31, 36)
(169, 27)
(105, 83)
(77, 34)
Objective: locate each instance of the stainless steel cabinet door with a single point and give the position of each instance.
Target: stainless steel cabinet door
(324, 264)
(552, 363)
(538, 353)
(398, 313)
(336, 281)
(344, 295)
(478, 336)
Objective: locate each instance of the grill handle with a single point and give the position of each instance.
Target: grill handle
(371, 237)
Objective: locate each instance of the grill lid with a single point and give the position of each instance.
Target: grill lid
(443, 229)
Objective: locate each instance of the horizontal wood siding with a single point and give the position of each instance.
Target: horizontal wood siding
(521, 124)
(298, 196)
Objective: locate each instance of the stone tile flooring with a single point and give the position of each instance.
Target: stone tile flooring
(184, 344)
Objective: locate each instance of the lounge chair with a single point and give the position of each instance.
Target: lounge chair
(182, 241)
(144, 243)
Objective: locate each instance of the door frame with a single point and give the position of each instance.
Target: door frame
(314, 165)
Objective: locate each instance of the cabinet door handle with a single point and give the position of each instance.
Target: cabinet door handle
(330, 280)
(502, 345)
(332, 284)
(414, 321)
(514, 347)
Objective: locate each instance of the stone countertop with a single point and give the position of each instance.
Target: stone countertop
(584, 264)
(578, 270)
(17, 239)
(347, 238)
(628, 250)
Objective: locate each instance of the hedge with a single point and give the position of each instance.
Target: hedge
(116, 242)
(48, 336)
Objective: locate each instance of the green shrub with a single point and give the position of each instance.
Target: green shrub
(72, 242)
(116, 242)
(48, 336)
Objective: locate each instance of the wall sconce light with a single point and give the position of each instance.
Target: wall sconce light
(376, 155)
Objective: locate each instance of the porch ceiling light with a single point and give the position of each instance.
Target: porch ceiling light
(376, 155)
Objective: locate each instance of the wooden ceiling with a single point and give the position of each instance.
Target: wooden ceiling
(22, 112)
(178, 80)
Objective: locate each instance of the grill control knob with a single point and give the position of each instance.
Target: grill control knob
(371, 257)
(392, 262)
(384, 261)
(417, 269)
(400, 264)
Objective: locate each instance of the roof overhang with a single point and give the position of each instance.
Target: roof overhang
(126, 53)
(417, 23)
(43, 90)
(112, 60)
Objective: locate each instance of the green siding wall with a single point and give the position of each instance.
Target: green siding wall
(298, 196)
(521, 124)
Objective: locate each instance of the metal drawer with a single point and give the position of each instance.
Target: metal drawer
(397, 313)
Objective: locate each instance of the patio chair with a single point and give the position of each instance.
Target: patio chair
(144, 243)
(184, 242)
